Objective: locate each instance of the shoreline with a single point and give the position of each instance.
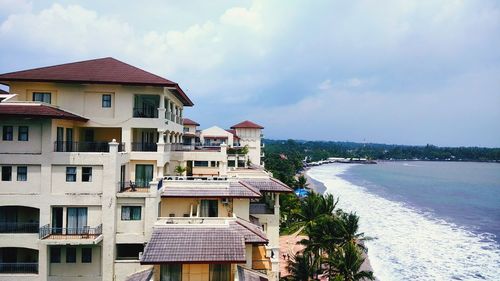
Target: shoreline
(319, 187)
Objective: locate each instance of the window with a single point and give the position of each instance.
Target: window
(55, 254)
(171, 272)
(128, 251)
(131, 213)
(22, 134)
(220, 272)
(185, 129)
(8, 133)
(106, 100)
(71, 174)
(143, 175)
(42, 97)
(209, 208)
(201, 163)
(86, 255)
(6, 173)
(22, 173)
(86, 174)
(70, 255)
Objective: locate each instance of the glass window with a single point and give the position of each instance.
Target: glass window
(171, 272)
(55, 254)
(209, 208)
(6, 173)
(42, 97)
(220, 272)
(71, 174)
(22, 134)
(70, 255)
(22, 173)
(86, 255)
(86, 174)
(106, 100)
(143, 175)
(128, 251)
(131, 213)
(201, 163)
(8, 133)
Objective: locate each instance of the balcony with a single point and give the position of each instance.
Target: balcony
(18, 261)
(261, 209)
(19, 227)
(69, 233)
(75, 146)
(144, 146)
(145, 112)
(131, 186)
(21, 267)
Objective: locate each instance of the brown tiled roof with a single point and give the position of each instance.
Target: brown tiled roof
(251, 232)
(144, 275)
(194, 245)
(245, 274)
(96, 71)
(37, 110)
(187, 121)
(233, 190)
(233, 131)
(267, 184)
(247, 124)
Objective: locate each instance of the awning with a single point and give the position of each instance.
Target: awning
(267, 184)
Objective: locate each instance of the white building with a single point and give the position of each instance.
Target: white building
(90, 187)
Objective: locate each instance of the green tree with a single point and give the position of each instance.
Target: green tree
(347, 261)
(180, 170)
(301, 268)
(302, 182)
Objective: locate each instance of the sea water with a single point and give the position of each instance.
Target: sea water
(429, 220)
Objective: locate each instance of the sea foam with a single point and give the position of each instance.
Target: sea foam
(412, 244)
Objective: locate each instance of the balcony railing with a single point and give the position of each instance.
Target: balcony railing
(144, 146)
(86, 232)
(194, 178)
(19, 267)
(146, 112)
(75, 146)
(19, 227)
(261, 209)
(133, 185)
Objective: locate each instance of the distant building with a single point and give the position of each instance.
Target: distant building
(90, 187)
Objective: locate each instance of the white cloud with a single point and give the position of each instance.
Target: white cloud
(14, 6)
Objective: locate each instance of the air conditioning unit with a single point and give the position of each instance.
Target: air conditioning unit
(225, 201)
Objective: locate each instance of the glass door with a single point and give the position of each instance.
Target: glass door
(57, 220)
(76, 220)
(69, 139)
(143, 175)
(60, 139)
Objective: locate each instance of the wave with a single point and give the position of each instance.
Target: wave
(411, 244)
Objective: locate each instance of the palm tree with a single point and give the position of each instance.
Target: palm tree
(347, 262)
(347, 226)
(311, 208)
(180, 170)
(301, 267)
(302, 182)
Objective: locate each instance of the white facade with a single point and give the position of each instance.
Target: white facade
(79, 199)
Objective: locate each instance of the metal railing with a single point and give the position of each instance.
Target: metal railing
(182, 147)
(132, 185)
(145, 112)
(183, 178)
(19, 227)
(19, 267)
(75, 146)
(84, 232)
(144, 146)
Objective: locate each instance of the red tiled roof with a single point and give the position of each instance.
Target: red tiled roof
(247, 124)
(187, 121)
(268, 184)
(37, 110)
(246, 274)
(194, 245)
(232, 131)
(251, 232)
(233, 190)
(96, 71)
(144, 275)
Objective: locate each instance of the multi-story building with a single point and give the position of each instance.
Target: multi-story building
(101, 180)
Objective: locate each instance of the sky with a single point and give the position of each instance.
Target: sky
(400, 72)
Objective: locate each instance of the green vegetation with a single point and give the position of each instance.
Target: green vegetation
(180, 170)
(320, 150)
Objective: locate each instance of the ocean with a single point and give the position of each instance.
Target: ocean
(429, 220)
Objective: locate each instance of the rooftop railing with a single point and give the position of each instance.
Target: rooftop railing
(194, 178)
(94, 146)
(19, 267)
(133, 186)
(19, 227)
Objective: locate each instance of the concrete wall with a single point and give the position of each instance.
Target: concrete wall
(60, 185)
(78, 269)
(30, 186)
(34, 143)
